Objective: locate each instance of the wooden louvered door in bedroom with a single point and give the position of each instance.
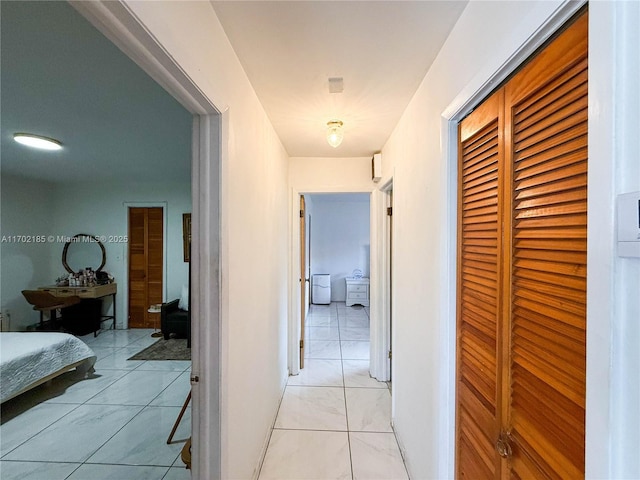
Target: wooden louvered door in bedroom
(146, 259)
(522, 222)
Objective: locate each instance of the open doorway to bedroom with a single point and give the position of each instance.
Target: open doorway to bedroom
(119, 148)
(337, 323)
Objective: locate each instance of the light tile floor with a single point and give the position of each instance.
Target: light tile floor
(113, 425)
(334, 420)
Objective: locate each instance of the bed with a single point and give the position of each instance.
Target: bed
(28, 359)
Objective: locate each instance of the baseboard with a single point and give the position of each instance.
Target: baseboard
(265, 445)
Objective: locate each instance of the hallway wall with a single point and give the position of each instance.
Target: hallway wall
(255, 240)
(424, 238)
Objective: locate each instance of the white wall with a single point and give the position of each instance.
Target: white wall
(26, 210)
(418, 155)
(315, 174)
(340, 240)
(255, 236)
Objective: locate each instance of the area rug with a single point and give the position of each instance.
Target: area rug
(172, 349)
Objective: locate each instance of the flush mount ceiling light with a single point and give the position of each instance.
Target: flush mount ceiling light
(37, 141)
(334, 133)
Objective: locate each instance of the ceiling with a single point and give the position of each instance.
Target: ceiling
(382, 50)
(61, 78)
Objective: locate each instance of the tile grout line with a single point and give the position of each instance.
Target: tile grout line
(85, 462)
(344, 390)
(76, 406)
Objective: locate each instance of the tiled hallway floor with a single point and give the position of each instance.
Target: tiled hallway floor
(113, 425)
(334, 421)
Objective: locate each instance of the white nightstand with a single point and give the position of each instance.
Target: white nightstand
(357, 291)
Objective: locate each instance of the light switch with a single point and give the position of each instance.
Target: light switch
(629, 225)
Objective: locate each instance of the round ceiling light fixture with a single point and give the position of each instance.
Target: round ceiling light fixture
(37, 141)
(334, 133)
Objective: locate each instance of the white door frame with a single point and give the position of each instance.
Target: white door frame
(380, 366)
(293, 339)
(210, 137)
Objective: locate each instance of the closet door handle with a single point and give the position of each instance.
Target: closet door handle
(503, 445)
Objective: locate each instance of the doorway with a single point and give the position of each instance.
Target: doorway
(146, 264)
(335, 262)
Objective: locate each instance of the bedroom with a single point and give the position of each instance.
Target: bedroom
(114, 123)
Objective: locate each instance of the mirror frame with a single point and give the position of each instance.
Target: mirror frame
(78, 235)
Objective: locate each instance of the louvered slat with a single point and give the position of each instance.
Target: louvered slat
(548, 320)
(478, 293)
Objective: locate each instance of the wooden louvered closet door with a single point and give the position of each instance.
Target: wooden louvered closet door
(522, 271)
(146, 259)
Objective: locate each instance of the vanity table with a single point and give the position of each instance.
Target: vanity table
(357, 291)
(89, 310)
(82, 253)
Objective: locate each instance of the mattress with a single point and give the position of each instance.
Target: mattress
(28, 359)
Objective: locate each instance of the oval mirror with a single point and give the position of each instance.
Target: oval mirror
(82, 251)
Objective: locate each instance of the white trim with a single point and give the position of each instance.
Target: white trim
(468, 98)
(380, 366)
(120, 24)
(378, 344)
(125, 254)
(117, 22)
(205, 290)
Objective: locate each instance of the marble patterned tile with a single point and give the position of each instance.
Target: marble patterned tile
(167, 365)
(143, 440)
(368, 409)
(326, 349)
(319, 373)
(321, 321)
(175, 394)
(322, 309)
(118, 360)
(19, 426)
(135, 388)
(355, 350)
(356, 374)
(302, 455)
(69, 389)
(327, 332)
(36, 470)
(76, 436)
(355, 312)
(376, 456)
(361, 322)
(312, 408)
(354, 333)
(143, 342)
(114, 338)
(118, 472)
(178, 473)
(103, 352)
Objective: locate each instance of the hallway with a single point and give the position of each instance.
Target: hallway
(334, 420)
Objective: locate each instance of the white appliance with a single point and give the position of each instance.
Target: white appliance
(321, 289)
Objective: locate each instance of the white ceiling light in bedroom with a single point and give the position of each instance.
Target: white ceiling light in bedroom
(334, 133)
(37, 141)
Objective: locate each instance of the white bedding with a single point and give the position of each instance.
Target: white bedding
(30, 358)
